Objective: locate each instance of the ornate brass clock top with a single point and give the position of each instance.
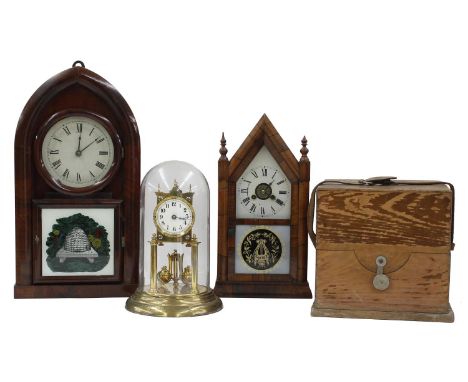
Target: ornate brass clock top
(174, 215)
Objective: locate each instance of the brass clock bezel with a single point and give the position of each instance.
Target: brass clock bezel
(156, 221)
(55, 183)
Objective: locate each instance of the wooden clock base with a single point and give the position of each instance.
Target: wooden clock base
(74, 291)
(263, 289)
(380, 315)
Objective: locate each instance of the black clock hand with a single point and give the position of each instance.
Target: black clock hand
(78, 151)
(89, 144)
(174, 217)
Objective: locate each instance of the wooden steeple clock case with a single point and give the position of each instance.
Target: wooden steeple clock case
(262, 225)
(77, 178)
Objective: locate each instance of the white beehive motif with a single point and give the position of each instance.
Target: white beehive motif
(77, 244)
(77, 241)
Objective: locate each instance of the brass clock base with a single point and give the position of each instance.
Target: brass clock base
(174, 305)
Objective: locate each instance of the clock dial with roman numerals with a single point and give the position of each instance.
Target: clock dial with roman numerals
(263, 190)
(77, 152)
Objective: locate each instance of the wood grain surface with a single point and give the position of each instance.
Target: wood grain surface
(410, 217)
(383, 315)
(409, 225)
(76, 89)
(228, 282)
(420, 285)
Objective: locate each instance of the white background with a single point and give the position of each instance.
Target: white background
(378, 87)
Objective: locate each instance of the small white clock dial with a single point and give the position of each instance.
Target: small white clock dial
(77, 152)
(174, 216)
(263, 190)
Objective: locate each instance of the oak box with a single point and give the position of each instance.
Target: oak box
(383, 249)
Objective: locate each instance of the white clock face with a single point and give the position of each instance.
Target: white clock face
(263, 190)
(77, 152)
(174, 216)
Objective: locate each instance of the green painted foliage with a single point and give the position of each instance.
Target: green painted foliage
(97, 234)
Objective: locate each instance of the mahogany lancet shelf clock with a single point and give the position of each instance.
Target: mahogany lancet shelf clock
(262, 226)
(77, 176)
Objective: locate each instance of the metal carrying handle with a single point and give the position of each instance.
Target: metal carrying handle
(378, 180)
(371, 182)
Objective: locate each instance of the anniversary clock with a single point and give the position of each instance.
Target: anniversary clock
(262, 226)
(175, 244)
(77, 170)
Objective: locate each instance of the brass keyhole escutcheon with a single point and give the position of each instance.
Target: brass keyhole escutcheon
(381, 281)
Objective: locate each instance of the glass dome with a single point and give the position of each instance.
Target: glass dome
(174, 244)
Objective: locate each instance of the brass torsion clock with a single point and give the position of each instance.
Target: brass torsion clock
(174, 218)
(174, 252)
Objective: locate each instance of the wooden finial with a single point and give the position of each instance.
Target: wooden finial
(304, 149)
(223, 150)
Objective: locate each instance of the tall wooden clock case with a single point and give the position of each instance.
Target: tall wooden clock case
(77, 175)
(262, 227)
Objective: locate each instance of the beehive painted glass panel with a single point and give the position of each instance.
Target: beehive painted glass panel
(77, 241)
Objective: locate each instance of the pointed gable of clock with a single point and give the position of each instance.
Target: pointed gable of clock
(264, 134)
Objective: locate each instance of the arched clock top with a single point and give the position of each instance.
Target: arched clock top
(77, 160)
(82, 88)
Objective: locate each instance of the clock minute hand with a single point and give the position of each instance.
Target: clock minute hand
(89, 144)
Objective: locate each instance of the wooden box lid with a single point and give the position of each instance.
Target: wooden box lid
(412, 215)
